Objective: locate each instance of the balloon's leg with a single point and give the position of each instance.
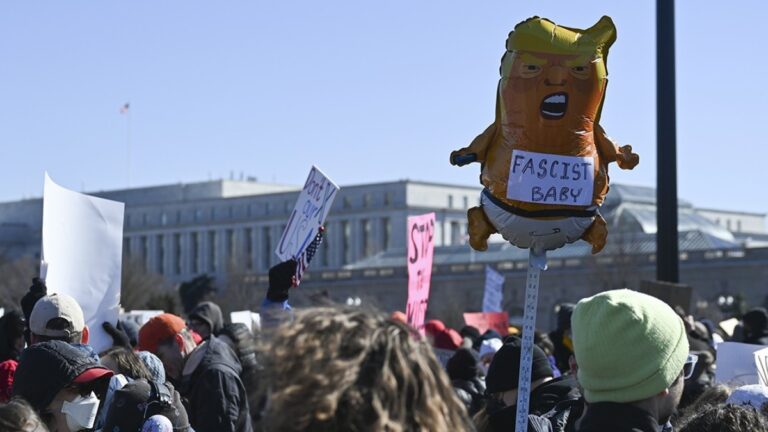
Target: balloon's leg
(537, 261)
(480, 228)
(596, 234)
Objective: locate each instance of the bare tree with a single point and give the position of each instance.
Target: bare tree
(141, 287)
(15, 279)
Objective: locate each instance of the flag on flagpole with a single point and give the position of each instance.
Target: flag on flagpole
(124, 109)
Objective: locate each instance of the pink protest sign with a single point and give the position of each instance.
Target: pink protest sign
(483, 321)
(421, 246)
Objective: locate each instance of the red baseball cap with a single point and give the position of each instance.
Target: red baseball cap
(159, 329)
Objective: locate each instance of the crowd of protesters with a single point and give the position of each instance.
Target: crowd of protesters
(617, 361)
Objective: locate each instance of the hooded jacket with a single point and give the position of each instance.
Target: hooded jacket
(214, 395)
(210, 313)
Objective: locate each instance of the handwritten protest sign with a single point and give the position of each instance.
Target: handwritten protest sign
(736, 364)
(308, 216)
(498, 321)
(421, 246)
(492, 296)
(761, 362)
(82, 251)
(551, 179)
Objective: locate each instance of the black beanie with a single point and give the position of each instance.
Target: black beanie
(504, 371)
(462, 365)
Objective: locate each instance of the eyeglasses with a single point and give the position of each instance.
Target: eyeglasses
(690, 365)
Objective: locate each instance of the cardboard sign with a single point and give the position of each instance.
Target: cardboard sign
(673, 294)
(483, 321)
(551, 179)
(761, 362)
(492, 297)
(82, 251)
(421, 246)
(312, 207)
(735, 365)
(252, 320)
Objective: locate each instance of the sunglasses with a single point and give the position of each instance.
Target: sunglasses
(690, 365)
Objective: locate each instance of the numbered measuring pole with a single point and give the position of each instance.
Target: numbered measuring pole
(536, 263)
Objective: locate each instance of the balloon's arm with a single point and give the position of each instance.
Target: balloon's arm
(610, 152)
(476, 150)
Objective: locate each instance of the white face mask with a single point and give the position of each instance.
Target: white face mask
(81, 412)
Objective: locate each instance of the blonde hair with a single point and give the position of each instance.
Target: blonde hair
(356, 370)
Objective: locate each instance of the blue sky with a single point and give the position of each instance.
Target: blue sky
(368, 91)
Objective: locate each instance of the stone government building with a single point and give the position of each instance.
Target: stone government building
(226, 227)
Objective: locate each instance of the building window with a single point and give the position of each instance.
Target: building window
(324, 258)
(346, 250)
(728, 224)
(177, 254)
(368, 246)
(145, 251)
(387, 198)
(466, 201)
(178, 216)
(212, 252)
(266, 252)
(347, 202)
(126, 247)
(248, 249)
(143, 219)
(128, 220)
(387, 223)
(195, 252)
(455, 233)
(160, 254)
(738, 225)
(230, 212)
(450, 201)
(198, 215)
(367, 200)
(213, 214)
(229, 245)
(163, 219)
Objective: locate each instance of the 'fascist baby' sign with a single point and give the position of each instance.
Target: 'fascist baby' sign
(551, 179)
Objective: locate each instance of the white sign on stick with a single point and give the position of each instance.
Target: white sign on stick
(736, 364)
(82, 254)
(308, 216)
(492, 297)
(551, 179)
(761, 362)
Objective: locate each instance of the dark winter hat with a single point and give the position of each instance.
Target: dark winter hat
(462, 365)
(564, 316)
(756, 319)
(138, 401)
(209, 313)
(48, 367)
(504, 371)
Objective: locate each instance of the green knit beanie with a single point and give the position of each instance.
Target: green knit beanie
(629, 346)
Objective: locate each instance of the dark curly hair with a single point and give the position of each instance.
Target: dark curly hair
(350, 369)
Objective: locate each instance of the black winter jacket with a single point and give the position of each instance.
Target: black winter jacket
(616, 417)
(216, 400)
(471, 393)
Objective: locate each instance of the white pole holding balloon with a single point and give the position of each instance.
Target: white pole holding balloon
(536, 263)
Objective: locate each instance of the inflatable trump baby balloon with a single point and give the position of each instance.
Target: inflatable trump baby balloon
(545, 157)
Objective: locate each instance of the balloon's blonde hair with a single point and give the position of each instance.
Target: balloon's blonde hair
(350, 369)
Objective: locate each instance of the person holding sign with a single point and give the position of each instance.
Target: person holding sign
(545, 157)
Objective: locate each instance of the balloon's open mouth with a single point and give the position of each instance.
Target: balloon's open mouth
(553, 106)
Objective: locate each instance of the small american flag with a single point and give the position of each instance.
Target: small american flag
(303, 260)
(124, 109)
